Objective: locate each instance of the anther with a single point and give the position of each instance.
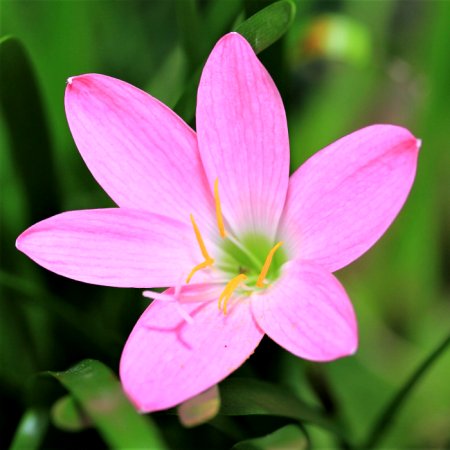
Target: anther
(219, 216)
(200, 241)
(203, 265)
(228, 291)
(208, 260)
(266, 266)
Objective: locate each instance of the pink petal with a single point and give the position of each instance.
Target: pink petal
(113, 247)
(139, 151)
(307, 312)
(343, 199)
(242, 135)
(167, 360)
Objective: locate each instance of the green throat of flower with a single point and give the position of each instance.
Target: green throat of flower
(249, 256)
(250, 264)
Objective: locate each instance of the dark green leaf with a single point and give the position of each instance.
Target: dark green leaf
(99, 393)
(31, 430)
(220, 16)
(268, 25)
(167, 82)
(248, 396)
(15, 339)
(287, 438)
(189, 28)
(185, 107)
(261, 30)
(25, 117)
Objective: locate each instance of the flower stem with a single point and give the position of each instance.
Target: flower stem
(385, 419)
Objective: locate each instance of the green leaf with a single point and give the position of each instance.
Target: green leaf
(15, 339)
(25, 118)
(248, 396)
(261, 30)
(285, 438)
(31, 430)
(387, 416)
(219, 18)
(185, 107)
(99, 393)
(189, 26)
(268, 25)
(63, 312)
(67, 415)
(168, 81)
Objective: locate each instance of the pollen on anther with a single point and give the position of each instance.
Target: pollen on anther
(228, 291)
(208, 260)
(200, 240)
(219, 215)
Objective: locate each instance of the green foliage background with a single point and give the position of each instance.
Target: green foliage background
(342, 65)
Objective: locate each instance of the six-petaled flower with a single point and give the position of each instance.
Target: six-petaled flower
(213, 215)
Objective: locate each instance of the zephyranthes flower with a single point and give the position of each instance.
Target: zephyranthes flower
(244, 249)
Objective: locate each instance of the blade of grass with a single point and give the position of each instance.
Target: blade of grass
(31, 430)
(25, 117)
(387, 416)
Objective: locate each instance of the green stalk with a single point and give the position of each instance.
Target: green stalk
(385, 420)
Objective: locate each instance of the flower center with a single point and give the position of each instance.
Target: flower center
(250, 263)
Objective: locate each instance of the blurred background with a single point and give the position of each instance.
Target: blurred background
(342, 65)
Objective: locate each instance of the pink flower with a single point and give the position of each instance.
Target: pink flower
(247, 250)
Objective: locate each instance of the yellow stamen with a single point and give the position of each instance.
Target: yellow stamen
(266, 266)
(228, 291)
(218, 209)
(203, 265)
(200, 241)
(208, 260)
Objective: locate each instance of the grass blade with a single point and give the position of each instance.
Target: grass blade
(386, 418)
(31, 430)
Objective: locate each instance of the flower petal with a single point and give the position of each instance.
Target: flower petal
(343, 199)
(242, 135)
(113, 247)
(307, 312)
(139, 151)
(167, 360)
